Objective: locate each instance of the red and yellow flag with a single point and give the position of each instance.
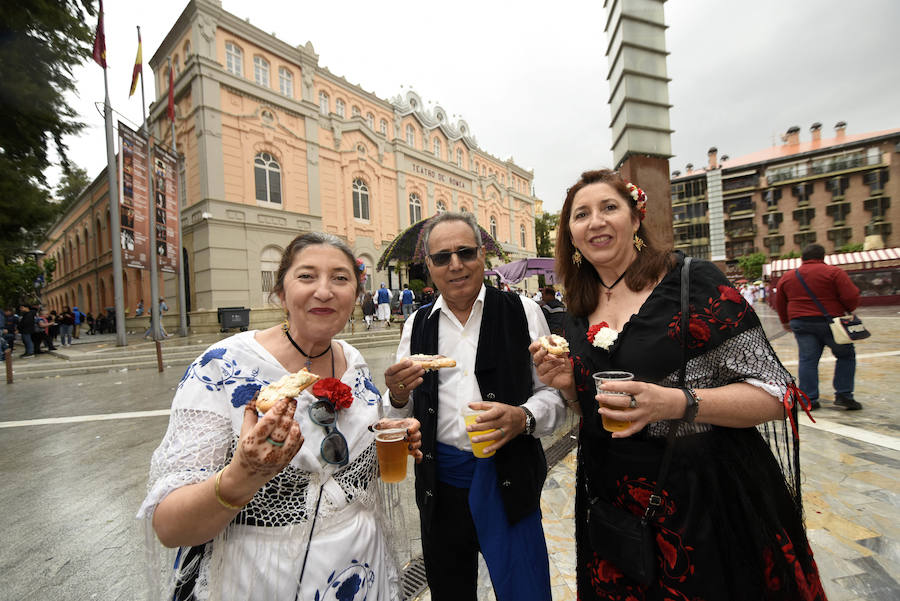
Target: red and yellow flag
(100, 40)
(138, 67)
(171, 108)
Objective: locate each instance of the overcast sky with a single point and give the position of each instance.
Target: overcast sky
(530, 77)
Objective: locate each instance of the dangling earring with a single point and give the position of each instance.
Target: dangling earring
(576, 257)
(638, 242)
(284, 324)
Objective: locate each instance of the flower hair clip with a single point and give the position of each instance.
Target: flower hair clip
(639, 197)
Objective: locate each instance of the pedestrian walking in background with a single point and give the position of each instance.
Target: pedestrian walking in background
(79, 318)
(139, 310)
(66, 326)
(368, 307)
(406, 301)
(799, 314)
(41, 334)
(26, 329)
(384, 304)
(554, 310)
(8, 327)
(53, 330)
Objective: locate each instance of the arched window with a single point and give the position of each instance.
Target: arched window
(98, 238)
(261, 71)
(187, 50)
(355, 111)
(410, 135)
(437, 147)
(370, 121)
(415, 208)
(463, 209)
(177, 63)
(234, 59)
(483, 170)
(441, 207)
(269, 260)
(285, 82)
(339, 107)
(522, 235)
(267, 173)
(323, 103)
(459, 157)
(383, 128)
(493, 227)
(87, 245)
(360, 199)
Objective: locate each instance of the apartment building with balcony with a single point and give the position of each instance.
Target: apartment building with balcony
(836, 192)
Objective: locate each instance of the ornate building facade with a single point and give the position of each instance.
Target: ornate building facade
(275, 145)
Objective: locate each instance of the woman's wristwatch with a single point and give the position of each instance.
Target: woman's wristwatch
(693, 404)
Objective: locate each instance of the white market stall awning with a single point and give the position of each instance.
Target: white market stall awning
(863, 258)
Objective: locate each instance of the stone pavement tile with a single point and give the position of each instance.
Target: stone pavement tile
(873, 583)
(887, 550)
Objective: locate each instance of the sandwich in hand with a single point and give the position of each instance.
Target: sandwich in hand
(432, 362)
(554, 344)
(288, 386)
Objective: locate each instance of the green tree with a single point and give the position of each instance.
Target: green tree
(41, 41)
(751, 265)
(851, 248)
(543, 227)
(18, 279)
(70, 187)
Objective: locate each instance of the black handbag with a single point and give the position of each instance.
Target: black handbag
(626, 539)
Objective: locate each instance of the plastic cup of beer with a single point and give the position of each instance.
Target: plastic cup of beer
(612, 425)
(470, 416)
(392, 450)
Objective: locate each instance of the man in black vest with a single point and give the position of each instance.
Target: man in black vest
(467, 505)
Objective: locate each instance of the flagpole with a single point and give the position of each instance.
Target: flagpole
(182, 301)
(115, 229)
(154, 255)
(111, 173)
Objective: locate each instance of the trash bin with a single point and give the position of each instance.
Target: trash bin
(233, 317)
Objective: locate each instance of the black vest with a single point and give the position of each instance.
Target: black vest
(503, 371)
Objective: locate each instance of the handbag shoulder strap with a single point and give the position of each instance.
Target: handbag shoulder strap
(814, 298)
(655, 499)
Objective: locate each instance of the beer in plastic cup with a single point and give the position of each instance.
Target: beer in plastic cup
(392, 450)
(470, 415)
(611, 425)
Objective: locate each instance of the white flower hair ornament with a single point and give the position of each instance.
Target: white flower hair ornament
(639, 197)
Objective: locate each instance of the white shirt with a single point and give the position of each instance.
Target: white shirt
(458, 386)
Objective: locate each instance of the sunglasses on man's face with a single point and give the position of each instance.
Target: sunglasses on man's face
(334, 448)
(465, 254)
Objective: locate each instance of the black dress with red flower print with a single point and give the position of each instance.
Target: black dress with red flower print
(730, 526)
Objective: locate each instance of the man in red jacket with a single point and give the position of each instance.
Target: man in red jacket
(800, 315)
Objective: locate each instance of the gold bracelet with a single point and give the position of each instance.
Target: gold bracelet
(219, 498)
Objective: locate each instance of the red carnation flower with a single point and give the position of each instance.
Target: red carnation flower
(335, 391)
(594, 329)
(730, 294)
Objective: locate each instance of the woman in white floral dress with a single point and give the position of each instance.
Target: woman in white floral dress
(278, 507)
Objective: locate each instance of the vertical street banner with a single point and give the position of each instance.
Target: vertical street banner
(134, 201)
(166, 209)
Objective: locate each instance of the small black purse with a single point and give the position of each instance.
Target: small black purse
(625, 539)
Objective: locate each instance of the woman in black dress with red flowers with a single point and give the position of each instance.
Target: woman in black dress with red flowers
(731, 521)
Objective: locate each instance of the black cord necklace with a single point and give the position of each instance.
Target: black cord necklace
(308, 357)
(608, 291)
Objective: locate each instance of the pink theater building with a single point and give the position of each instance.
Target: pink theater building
(275, 145)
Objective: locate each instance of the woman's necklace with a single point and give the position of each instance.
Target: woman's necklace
(308, 357)
(609, 288)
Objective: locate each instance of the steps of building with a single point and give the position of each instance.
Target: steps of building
(176, 353)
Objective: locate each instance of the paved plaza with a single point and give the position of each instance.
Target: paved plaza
(75, 449)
